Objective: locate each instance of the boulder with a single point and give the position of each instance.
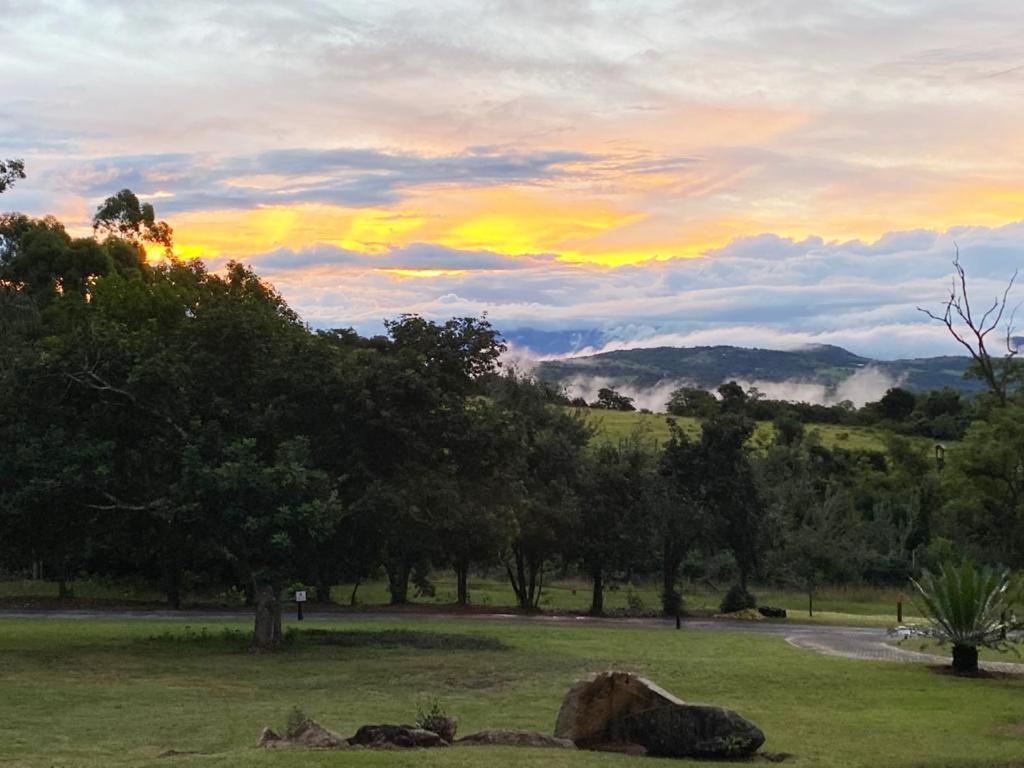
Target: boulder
(404, 736)
(496, 738)
(622, 708)
(772, 613)
(312, 734)
(268, 738)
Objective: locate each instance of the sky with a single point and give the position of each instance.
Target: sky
(772, 174)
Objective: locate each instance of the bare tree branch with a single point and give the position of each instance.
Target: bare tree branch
(958, 318)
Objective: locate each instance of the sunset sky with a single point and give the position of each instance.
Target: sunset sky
(761, 173)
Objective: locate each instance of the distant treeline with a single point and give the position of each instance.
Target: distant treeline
(941, 414)
(168, 424)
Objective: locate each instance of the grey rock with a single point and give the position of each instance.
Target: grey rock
(622, 708)
(402, 736)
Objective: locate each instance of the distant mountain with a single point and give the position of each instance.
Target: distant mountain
(824, 366)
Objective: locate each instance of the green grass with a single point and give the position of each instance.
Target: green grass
(1014, 652)
(617, 425)
(108, 693)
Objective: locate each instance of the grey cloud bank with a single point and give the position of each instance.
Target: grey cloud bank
(763, 291)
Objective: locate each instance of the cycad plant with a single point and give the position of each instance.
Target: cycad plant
(968, 607)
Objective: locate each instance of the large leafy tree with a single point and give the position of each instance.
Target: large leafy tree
(124, 217)
(984, 481)
(547, 463)
(614, 532)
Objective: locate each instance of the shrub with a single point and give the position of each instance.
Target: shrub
(296, 720)
(634, 602)
(968, 607)
(430, 716)
(737, 599)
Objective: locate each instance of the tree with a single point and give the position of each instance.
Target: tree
(611, 400)
(680, 516)
(973, 332)
(123, 216)
(728, 489)
(733, 398)
(817, 548)
(10, 172)
(547, 465)
(968, 607)
(897, 404)
(478, 519)
(267, 507)
(612, 532)
(692, 401)
(984, 482)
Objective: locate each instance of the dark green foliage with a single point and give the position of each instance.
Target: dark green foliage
(123, 216)
(969, 608)
(611, 400)
(10, 172)
(737, 599)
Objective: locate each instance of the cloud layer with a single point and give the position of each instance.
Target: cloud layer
(670, 171)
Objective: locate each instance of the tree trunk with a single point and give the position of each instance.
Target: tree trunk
(322, 593)
(398, 582)
(172, 567)
(965, 659)
(597, 601)
(63, 592)
(670, 599)
(267, 634)
(355, 588)
(526, 579)
(462, 580)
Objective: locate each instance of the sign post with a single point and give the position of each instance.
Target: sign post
(300, 598)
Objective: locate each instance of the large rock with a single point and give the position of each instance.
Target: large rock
(496, 738)
(621, 708)
(312, 734)
(404, 736)
(309, 734)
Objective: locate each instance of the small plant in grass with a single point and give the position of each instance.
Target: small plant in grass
(430, 716)
(634, 602)
(968, 608)
(297, 719)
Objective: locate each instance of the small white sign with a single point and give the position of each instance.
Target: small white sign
(300, 596)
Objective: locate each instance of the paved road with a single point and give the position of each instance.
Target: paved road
(868, 643)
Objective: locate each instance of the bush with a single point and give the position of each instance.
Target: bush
(634, 602)
(432, 717)
(296, 720)
(737, 599)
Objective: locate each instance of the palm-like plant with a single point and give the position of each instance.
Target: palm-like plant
(968, 607)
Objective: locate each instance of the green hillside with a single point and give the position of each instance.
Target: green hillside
(617, 425)
(827, 366)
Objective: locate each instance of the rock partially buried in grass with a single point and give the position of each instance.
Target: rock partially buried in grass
(498, 738)
(309, 734)
(403, 736)
(622, 708)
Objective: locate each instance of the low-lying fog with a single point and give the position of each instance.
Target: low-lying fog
(864, 386)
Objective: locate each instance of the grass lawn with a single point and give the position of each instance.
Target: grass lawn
(114, 693)
(1014, 652)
